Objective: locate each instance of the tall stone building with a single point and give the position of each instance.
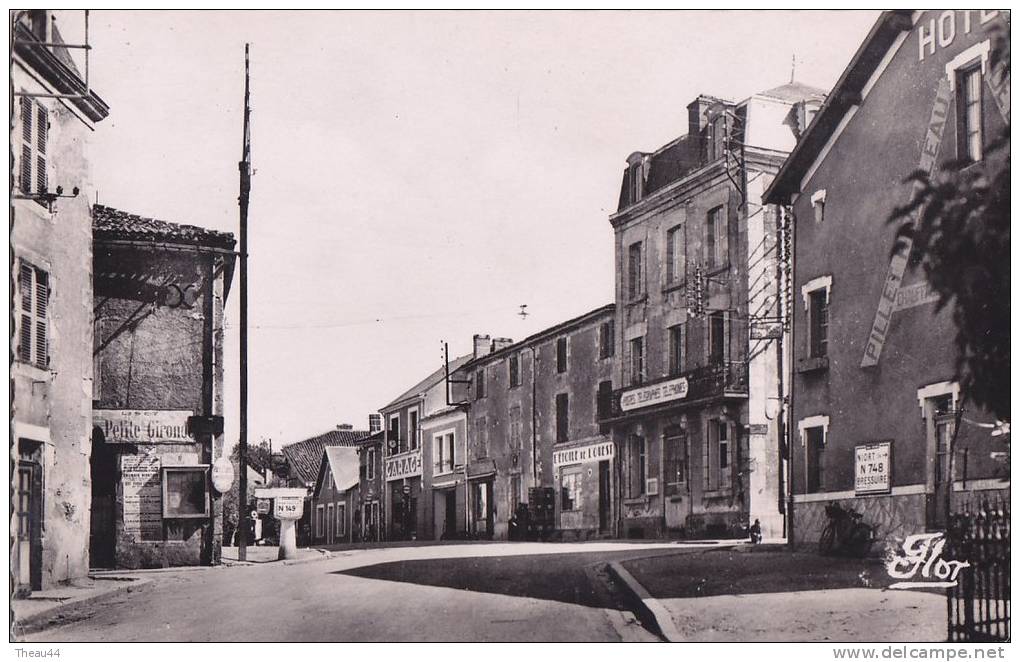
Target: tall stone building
(880, 423)
(159, 294)
(54, 114)
(696, 407)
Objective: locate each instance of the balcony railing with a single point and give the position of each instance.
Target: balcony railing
(716, 380)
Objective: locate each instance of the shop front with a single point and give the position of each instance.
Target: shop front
(481, 506)
(585, 486)
(403, 496)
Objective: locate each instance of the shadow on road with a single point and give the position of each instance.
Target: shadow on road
(560, 577)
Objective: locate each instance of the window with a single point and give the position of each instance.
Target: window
(604, 401)
(676, 255)
(634, 174)
(968, 113)
(637, 361)
(515, 370)
(717, 337)
(442, 453)
(717, 138)
(516, 425)
(330, 517)
(515, 492)
(570, 488)
(676, 350)
(561, 354)
(481, 440)
(412, 429)
(318, 521)
(636, 466)
(635, 272)
(394, 436)
(818, 204)
(676, 460)
(818, 320)
(34, 133)
(716, 238)
(370, 464)
(562, 418)
(814, 440)
(341, 520)
(33, 287)
(607, 339)
(479, 384)
(184, 492)
(718, 455)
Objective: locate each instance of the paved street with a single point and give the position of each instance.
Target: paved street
(497, 592)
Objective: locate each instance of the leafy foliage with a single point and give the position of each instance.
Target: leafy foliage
(961, 241)
(259, 456)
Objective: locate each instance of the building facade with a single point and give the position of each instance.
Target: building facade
(534, 421)
(334, 496)
(407, 503)
(368, 521)
(694, 413)
(51, 244)
(444, 449)
(879, 422)
(157, 398)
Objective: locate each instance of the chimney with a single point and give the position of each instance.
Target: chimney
(374, 423)
(501, 343)
(696, 119)
(345, 426)
(482, 345)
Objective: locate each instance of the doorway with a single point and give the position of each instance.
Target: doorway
(28, 552)
(102, 527)
(940, 426)
(481, 509)
(605, 499)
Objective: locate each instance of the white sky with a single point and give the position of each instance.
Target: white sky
(418, 175)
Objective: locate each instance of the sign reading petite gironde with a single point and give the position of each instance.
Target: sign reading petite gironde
(645, 396)
(873, 468)
(603, 451)
(143, 426)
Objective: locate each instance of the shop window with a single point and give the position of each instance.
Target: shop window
(636, 465)
(717, 476)
(637, 361)
(676, 255)
(717, 239)
(677, 349)
(607, 340)
(562, 417)
(676, 461)
(635, 272)
(561, 354)
(570, 488)
(515, 370)
(184, 492)
(33, 334)
(968, 113)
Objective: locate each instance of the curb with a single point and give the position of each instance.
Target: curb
(40, 620)
(650, 610)
(323, 555)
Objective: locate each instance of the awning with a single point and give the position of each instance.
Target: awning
(481, 469)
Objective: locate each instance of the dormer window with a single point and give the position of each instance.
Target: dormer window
(818, 204)
(717, 130)
(636, 183)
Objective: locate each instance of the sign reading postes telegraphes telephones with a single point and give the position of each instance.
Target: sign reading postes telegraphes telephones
(873, 468)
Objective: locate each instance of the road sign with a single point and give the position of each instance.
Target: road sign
(289, 507)
(222, 475)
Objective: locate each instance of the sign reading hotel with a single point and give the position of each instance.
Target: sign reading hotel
(591, 453)
(645, 396)
(404, 465)
(143, 426)
(873, 468)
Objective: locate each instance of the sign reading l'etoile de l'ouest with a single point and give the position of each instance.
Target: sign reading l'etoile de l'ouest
(143, 426)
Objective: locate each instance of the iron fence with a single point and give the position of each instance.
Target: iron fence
(979, 605)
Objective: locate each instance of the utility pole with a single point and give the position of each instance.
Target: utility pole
(245, 169)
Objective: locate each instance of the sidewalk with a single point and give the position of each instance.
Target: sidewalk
(44, 608)
(271, 554)
(758, 594)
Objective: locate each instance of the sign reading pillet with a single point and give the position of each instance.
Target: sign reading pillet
(898, 264)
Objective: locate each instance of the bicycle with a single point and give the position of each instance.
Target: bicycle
(845, 533)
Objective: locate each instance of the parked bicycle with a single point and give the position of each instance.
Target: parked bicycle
(845, 533)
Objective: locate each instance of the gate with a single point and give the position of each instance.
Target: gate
(978, 606)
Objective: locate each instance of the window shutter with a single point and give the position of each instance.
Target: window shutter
(25, 341)
(25, 285)
(41, 130)
(26, 169)
(26, 119)
(41, 306)
(40, 174)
